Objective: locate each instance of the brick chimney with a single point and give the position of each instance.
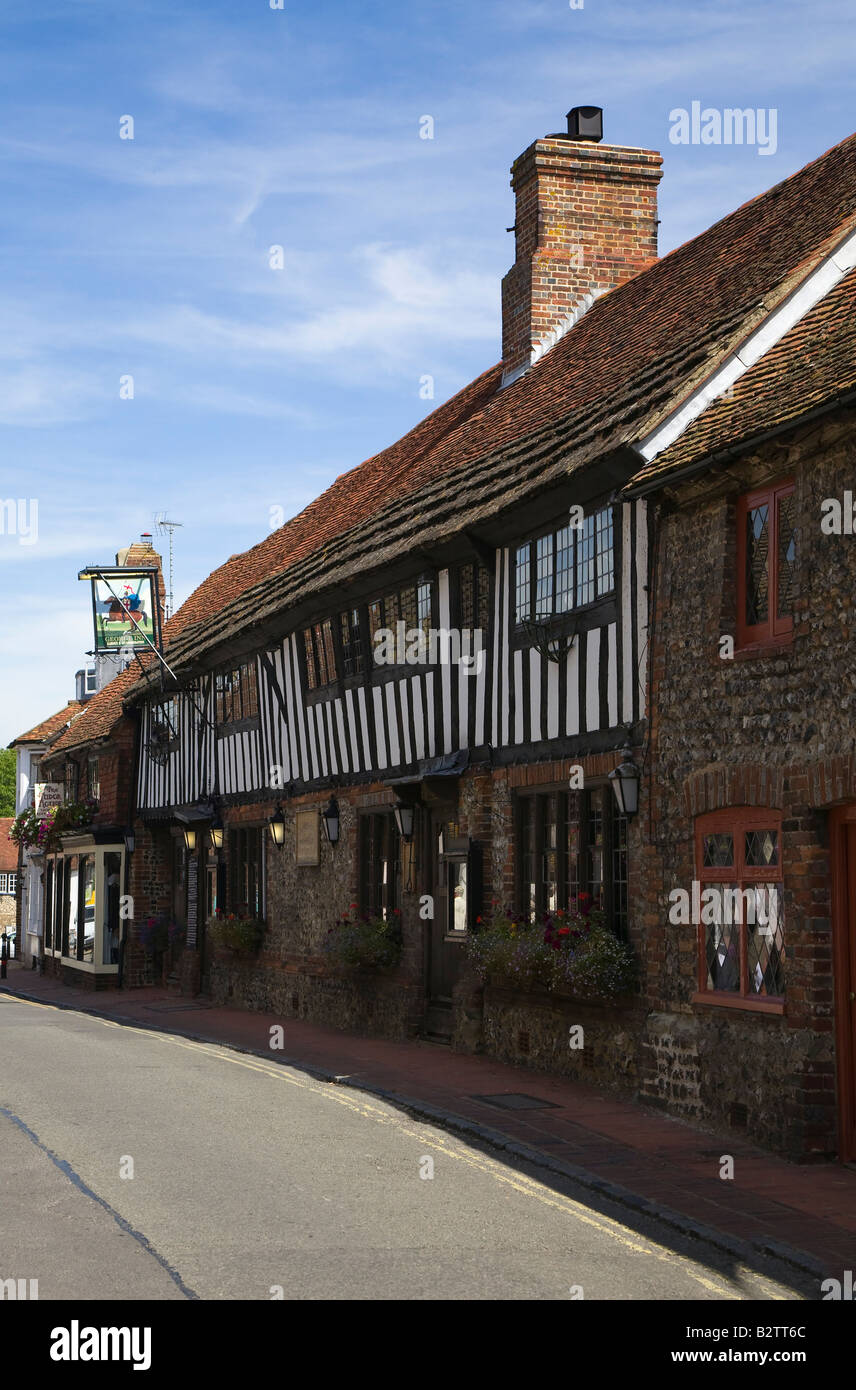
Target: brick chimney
(586, 221)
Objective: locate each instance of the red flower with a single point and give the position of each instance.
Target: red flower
(564, 931)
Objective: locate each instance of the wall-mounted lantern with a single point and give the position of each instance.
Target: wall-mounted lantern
(403, 819)
(277, 826)
(625, 783)
(217, 830)
(330, 817)
(190, 837)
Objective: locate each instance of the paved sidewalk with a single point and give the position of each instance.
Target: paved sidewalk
(803, 1215)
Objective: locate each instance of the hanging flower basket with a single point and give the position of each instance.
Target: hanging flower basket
(44, 834)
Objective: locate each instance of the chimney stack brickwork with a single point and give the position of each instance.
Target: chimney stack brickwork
(586, 221)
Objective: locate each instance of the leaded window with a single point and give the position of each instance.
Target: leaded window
(236, 694)
(565, 569)
(766, 559)
(572, 854)
(353, 659)
(379, 860)
(474, 598)
(742, 926)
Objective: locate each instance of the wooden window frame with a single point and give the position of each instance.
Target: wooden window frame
(353, 652)
(615, 912)
(602, 523)
(241, 862)
(71, 781)
(48, 907)
(239, 703)
(737, 820)
(775, 631)
(387, 901)
(480, 578)
(392, 611)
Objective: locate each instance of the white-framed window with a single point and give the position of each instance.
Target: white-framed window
(82, 906)
(8, 883)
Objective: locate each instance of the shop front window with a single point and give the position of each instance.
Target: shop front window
(82, 907)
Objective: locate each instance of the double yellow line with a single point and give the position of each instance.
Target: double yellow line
(456, 1153)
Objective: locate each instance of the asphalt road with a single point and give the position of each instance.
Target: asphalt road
(250, 1177)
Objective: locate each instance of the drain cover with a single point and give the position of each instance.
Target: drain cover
(516, 1100)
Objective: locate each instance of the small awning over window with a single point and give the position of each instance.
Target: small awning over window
(448, 765)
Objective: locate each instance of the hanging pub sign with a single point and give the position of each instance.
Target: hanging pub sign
(125, 607)
(47, 796)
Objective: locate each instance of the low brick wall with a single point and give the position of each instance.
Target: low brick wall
(367, 1002)
(718, 1069)
(78, 979)
(535, 1030)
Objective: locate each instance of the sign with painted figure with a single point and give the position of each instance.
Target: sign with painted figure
(125, 608)
(46, 797)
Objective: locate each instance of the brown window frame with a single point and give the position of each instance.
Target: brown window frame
(246, 871)
(412, 603)
(737, 821)
(377, 830)
(236, 694)
(320, 658)
(538, 579)
(776, 630)
(71, 781)
(576, 813)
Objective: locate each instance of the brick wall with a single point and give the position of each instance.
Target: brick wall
(586, 219)
(772, 730)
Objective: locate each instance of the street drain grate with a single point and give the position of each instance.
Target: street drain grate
(174, 1008)
(516, 1100)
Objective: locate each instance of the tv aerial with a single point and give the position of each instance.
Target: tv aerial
(165, 527)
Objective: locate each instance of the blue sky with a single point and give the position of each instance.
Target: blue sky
(253, 127)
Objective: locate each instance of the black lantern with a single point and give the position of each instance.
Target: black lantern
(277, 826)
(330, 817)
(217, 830)
(625, 784)
(189, 832)
(403, 819)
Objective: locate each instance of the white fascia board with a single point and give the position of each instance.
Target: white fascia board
(797, 304)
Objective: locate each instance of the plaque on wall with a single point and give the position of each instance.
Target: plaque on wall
(307, 827)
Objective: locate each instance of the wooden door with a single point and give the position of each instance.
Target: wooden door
(843, 846)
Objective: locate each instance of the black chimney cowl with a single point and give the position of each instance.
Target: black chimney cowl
(586, 123)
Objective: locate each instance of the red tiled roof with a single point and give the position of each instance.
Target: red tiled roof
(40, 733)
(813, 364)
(637, 351)
(8, 848)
